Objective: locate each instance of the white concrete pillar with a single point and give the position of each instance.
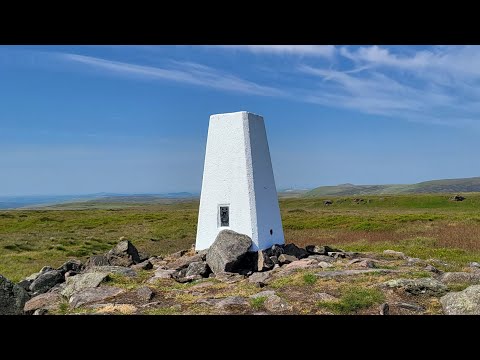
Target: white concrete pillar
(238, 187)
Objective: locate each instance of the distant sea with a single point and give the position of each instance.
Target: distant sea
(16, 202)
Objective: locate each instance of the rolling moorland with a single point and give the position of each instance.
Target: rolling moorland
(431, 229)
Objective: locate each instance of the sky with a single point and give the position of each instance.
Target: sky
(134, 119)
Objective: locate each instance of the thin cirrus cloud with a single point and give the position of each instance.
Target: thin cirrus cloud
(326, 51)
(187, 72)
(436, 85)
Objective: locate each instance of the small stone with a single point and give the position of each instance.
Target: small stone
(82, 281)
(474, 264)
(301, 264)
(337, 255)
(321, 250)
(229, 278)
(275, 303)
(233, 303)
(184, 261)
(384, 309)
(286, 259)
(325, 258)
(275, 250)
(260, 278)
(123, 254)
(274, 260)
(432, 269)
(197, 268)
(40, 312)
(324, 265)
(419, 286)
(396, 254)
(71, 265)
(294, 250)
(145, 265)
(161, 274)
(263, 261)
(145, 293)
(412, 307)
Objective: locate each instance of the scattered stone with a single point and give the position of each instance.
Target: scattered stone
(25, 284)
(294, 250)
(46, 281)
(457, 198)
(474, 264)
(321, 250)
(143, 257)
(83, 281)
(324, 265)
(396, 254)
(301, 264)
(419, 286)
(384, 309)
(144, 265)
(228, 251)
(275, 250)
(12, 297)
(324, 297)
(432, 269)
(336, 254)
(232, 303)
(275, 303)
(351, 262)
(367, 263)
(265, 293)
(286, 259)
(412, 307)
(176, 255)
(263, 262)
(161, 274)
(197, 268)
(414, 261)
(123, 254)
(71, 265)
(274, 260)
(158, 263)
(460, 277)
(337, 273)
(327, 202)
(260, 278)
(184, 261)
(186, 279)
(40, 312)
(229, 278)
(97, 260)
(466, 302)
(90, 295)
(202, 253)
(325, 258)
(144, 293)
(121, 270)
(48, 301)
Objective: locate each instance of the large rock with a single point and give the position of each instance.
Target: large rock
(123, 254)
(12, 297)
(145, 293)
(263, 262)
(197, 268)
(79, 282)
(228, 252)
(460, 277)
(184, 261)
(466, 302)
(71, 265)
(121, 270)
(47, 301)
(294, 250)
(419, 286)
(97, 260)
(46, 281)
(95, 294)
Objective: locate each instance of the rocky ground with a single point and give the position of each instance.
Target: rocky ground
(228, 279)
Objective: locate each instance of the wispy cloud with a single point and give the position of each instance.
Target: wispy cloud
(326, 51)
(185, 72)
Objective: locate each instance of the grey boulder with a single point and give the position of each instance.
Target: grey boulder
(228, 252)
(79, 282)
(12, 297)
(123, 254)
(46, 281)
(466, 302)
(419, 286)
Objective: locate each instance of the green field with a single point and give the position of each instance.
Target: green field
(425, 226)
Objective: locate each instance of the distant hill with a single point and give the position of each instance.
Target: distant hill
(434, 186)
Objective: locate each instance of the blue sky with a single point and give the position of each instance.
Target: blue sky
(134, 119)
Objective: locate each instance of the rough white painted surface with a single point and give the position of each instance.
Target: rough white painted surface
(238, 173)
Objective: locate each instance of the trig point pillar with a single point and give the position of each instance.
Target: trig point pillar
(238, 188)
